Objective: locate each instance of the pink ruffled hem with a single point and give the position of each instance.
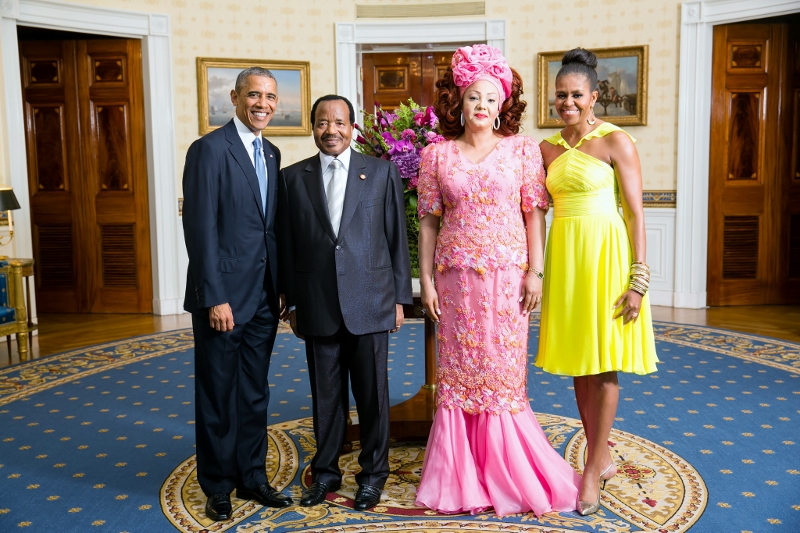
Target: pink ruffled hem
(476, 462)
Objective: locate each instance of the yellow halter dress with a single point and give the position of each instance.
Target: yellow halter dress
(587, 266)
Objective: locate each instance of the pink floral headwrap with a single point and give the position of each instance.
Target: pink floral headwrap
(481, 62)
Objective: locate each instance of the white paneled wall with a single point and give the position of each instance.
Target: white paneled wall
(660, 229)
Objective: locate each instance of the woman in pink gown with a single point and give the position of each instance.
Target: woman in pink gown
(485, 186)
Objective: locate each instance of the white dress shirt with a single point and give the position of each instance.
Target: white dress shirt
(248, 137)
(327, 170)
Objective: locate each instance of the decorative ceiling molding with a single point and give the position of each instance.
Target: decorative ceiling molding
(457, 9)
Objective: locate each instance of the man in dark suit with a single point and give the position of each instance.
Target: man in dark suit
(230, 196)
(345, 273)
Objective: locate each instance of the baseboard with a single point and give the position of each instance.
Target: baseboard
(689, 300)
(172, 306)
(662, 298)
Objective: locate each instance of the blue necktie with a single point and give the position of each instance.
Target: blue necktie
(261, 172)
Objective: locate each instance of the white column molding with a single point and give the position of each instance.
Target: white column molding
(166, 235)
(159, 24)
(349, 35)
(9, 8)
(348, 76)
(694, 126)
(167, 250)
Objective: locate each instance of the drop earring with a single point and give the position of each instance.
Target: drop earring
(593, 120)
(462, 118)
(497, 122)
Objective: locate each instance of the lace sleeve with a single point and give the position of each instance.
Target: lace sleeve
(533, 192)
(429, 195)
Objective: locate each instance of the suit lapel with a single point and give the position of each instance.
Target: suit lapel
(240, 155)
(312, 178)
(355, 186)
(272, 179)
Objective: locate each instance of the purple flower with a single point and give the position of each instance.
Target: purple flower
(407, 163)
(390, 140)
(408, 135)
(401, 147)
(413, 181)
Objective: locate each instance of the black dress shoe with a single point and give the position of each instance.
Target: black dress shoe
(367, 497)
(316, 493)
(218, 507)
(265, 495)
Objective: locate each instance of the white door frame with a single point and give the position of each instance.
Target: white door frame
(694, 130)
(153, 29)
(349, 35)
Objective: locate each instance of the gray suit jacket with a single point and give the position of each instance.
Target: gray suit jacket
(359, 276)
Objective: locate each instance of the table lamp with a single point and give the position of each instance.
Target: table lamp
(8, 202)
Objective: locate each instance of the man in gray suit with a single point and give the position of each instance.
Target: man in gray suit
(345, 273)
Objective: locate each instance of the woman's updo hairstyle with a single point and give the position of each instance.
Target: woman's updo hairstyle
(580, 61)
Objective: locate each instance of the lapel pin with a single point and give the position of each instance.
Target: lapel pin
(363, 177)
(270, 156)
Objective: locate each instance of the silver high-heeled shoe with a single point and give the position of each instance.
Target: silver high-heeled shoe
(587, 508)
(607, 474)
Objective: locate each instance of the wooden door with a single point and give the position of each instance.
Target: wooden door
(790, 191)
(87, 174)
(392, 78)
(751, 185)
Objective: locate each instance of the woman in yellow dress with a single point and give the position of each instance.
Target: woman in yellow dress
(595, 311)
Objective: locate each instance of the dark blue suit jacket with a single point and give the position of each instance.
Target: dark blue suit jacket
(229, 240)
(359, 276)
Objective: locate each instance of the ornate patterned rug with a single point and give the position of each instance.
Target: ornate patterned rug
(101, 439)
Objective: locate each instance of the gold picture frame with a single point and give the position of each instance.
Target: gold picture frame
(619, 70)
(216, 77)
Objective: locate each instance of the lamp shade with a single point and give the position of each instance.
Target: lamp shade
(8, 200)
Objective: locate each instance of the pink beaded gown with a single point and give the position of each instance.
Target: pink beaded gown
(486, 448)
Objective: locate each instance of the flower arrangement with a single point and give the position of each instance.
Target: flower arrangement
(399, 137)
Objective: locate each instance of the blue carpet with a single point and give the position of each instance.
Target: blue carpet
(101, 439)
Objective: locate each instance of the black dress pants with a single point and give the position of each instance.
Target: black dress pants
(332, 362)
(231, 399)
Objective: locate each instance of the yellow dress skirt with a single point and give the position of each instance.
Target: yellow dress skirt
(587, 267)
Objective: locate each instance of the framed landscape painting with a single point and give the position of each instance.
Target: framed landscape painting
(622, 86)
(217, 77)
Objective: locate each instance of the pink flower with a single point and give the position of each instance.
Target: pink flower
(408, 135)
(430, 117)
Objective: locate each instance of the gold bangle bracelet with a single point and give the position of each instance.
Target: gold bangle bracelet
(539, 273)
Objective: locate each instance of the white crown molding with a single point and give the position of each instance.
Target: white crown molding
(350, 35)
(694, 129)
(727, 11)
(167, 250)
